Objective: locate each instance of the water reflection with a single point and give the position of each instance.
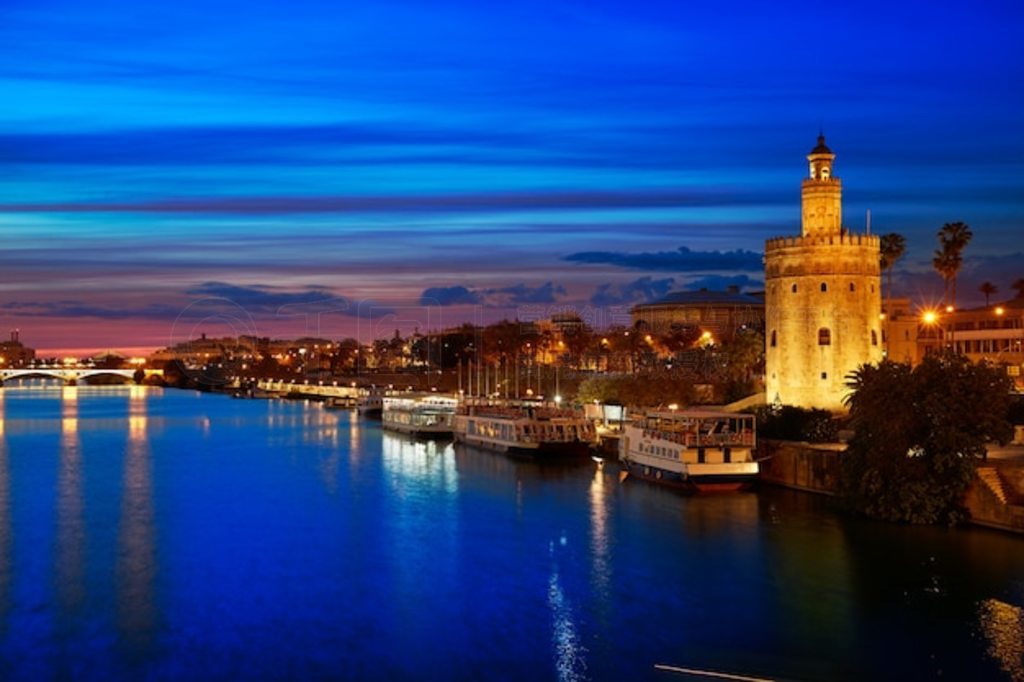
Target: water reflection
(6, 535)
(569, 650)
(136, 561)
(71, 527)
(414, 463)
(599, 543)
(1002, 625)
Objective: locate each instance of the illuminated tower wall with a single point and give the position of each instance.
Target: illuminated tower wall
(822, 298)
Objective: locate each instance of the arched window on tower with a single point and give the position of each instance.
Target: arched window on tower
(874, 338)
(824, 287)
(824, 336)
(794, 288)
(774, 339)
(853, 287)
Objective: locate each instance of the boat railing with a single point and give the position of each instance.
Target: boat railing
(689, 439)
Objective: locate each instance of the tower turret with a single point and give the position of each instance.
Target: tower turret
(822, 194)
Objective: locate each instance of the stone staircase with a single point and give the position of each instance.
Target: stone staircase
(994, 482)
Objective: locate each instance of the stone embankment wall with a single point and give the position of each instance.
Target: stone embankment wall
(803, 466)
(995, 499)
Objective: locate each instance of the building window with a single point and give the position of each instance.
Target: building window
(774, 339)
(824, 336)
(874, 338)
(824, 375)
(853, 287)
(794, 288)
(824, 287)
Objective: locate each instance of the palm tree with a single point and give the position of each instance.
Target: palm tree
(1019, 286)
(892, 247)
(953, 238)
(988, 289)
(946, 264)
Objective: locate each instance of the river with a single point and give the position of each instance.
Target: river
(159, 534)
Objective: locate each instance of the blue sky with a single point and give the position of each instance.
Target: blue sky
(259, 157)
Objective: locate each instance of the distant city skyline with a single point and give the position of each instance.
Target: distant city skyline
(284, 168)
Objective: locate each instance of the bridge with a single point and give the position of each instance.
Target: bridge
(70, 374)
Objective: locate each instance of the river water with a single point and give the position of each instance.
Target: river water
(157, 534)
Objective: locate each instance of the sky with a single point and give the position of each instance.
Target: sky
(346, 169)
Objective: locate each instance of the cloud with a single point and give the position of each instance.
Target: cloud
(493, 297)
(261, 299)
(436, 203)
(637, 291)
(722, 282)
(680, 260)
(457, 295)
(75, 308)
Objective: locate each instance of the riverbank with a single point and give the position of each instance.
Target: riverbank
(995, 499)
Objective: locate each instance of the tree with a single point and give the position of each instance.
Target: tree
(918, 435)
(953, 239)
(892, 247)
(988, 289)
(1018, 285)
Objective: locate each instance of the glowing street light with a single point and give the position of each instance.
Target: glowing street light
(930, 317)
(1000, 310)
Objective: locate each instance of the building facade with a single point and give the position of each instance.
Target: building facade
(14, 354)
(722, 313)
(823, 303)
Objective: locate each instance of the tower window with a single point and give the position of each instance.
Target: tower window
(853, 287)
(824, 336)
(824, 287)
(774, 339)
(874, 338)
(824, 375)
(794, 288)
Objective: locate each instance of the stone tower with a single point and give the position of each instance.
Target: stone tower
(823, 299)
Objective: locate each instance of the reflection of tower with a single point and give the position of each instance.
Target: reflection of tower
(822, 299)
(70, 549)
(136, 565)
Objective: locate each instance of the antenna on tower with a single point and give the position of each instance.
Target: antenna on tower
(869, 221)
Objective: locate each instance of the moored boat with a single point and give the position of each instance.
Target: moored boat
(529, 428)
(696, 449)
(419, 415)
(371, 403)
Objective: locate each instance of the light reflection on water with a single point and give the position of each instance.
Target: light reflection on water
(161, 534)
(1003, 627)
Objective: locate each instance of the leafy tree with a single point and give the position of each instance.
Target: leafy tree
(892, 247)
(953, 239)
(744, 354)
(988, 289)
(918, 434)
(788, 422)
(1018, 285)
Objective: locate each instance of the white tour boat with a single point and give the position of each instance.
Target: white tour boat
(419, 415)
(697, 449)
(524, 427)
